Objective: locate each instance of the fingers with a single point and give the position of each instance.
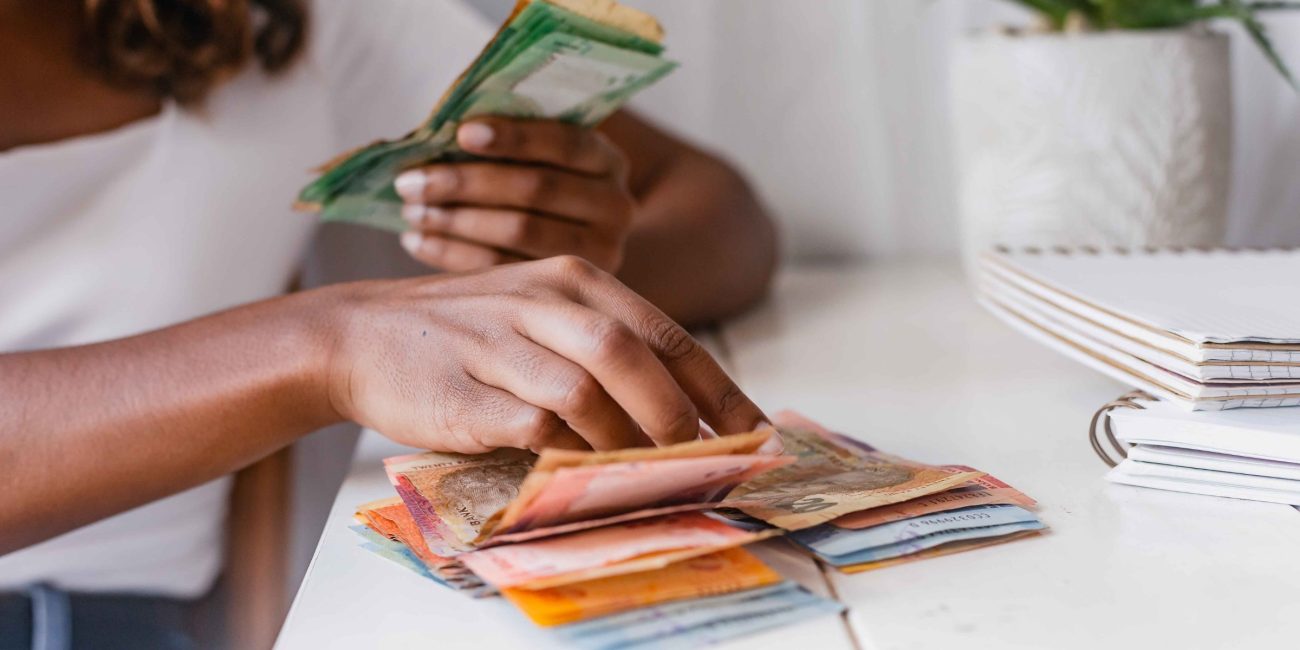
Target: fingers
(544, 379)
(488, 418)
(453, 255)
(522, 233)
(538, 189)
(547, 142)
(720, 401)
(619, 362)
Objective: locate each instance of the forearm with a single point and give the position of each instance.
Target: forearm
(702, 247)
(90, 431)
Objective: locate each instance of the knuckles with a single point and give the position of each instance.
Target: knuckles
(579, 397)
(610, 340)
(573, 268)
(535, 186)
(536, 427)
(670, 340)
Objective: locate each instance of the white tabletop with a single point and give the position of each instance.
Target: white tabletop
(899, 355)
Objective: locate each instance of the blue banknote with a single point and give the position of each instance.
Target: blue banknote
(932, 540)
(701, 621)
(830, 541)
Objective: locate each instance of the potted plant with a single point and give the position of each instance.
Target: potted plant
(1107, 124)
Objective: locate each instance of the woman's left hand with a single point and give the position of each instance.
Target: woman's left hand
(544, 188)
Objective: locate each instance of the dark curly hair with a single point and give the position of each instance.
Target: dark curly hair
(182, 48)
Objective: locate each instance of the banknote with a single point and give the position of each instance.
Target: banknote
(985, 490)
(567, 486)
(461, 502)
(833, 542)
(726, 571)
(571, 60)
(829, 479)
(392, 550)
(938, 551)
(452, 495)
(391, 519)
(699, 622)
(597, 491)
(642, 545)
(455, 577)
(933, 540)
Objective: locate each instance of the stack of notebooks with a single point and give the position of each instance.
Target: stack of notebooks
(1211, 340)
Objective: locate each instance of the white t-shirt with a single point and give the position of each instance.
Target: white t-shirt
(186, 213)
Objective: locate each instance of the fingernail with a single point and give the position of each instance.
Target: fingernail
(475, 135)
(411, 241)
(774, 445)
(410, 185)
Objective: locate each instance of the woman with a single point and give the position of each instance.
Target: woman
(147, 148)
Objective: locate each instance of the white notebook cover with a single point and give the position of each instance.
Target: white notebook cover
(1118, 346)
(1257, 433)
(1189, 302)
(1140, 374)
(1206, 482)
(1022, 300)
(1198, 459)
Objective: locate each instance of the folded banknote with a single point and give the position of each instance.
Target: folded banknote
(575, 61)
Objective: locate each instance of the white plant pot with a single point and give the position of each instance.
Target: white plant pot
(1104, 139)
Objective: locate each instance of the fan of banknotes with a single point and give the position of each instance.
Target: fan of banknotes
(632, 546)
(576, 61)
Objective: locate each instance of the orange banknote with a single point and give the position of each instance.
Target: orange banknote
(727, 571)
(642, 545)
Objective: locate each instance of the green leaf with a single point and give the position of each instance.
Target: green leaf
(1270, 6)
(1158, 14)
(1056, 11)
(1260, 36)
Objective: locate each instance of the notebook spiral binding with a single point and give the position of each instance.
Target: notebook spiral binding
(1100, 425)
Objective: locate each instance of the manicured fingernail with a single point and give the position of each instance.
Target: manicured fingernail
(410, 185)
(411, 241)
(475, 135)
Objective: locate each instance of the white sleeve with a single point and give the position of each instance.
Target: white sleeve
(386, 62)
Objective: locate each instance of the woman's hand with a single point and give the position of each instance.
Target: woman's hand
(544, 189)
(553, 353)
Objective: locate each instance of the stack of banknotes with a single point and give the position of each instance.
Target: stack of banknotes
(636, 546)
(575, 61)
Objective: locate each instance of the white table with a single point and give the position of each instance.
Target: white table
(899, 355)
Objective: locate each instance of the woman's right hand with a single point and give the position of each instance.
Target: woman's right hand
(551, 353)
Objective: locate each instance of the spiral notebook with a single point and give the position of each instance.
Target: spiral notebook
(1206, 330)
(1251, 454)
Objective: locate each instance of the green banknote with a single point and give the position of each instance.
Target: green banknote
(546, 62)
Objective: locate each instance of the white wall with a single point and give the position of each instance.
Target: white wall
(838, 110)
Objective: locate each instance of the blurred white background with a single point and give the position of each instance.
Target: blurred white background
(838, 110)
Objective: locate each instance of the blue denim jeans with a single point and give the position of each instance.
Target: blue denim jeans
(48, 618)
